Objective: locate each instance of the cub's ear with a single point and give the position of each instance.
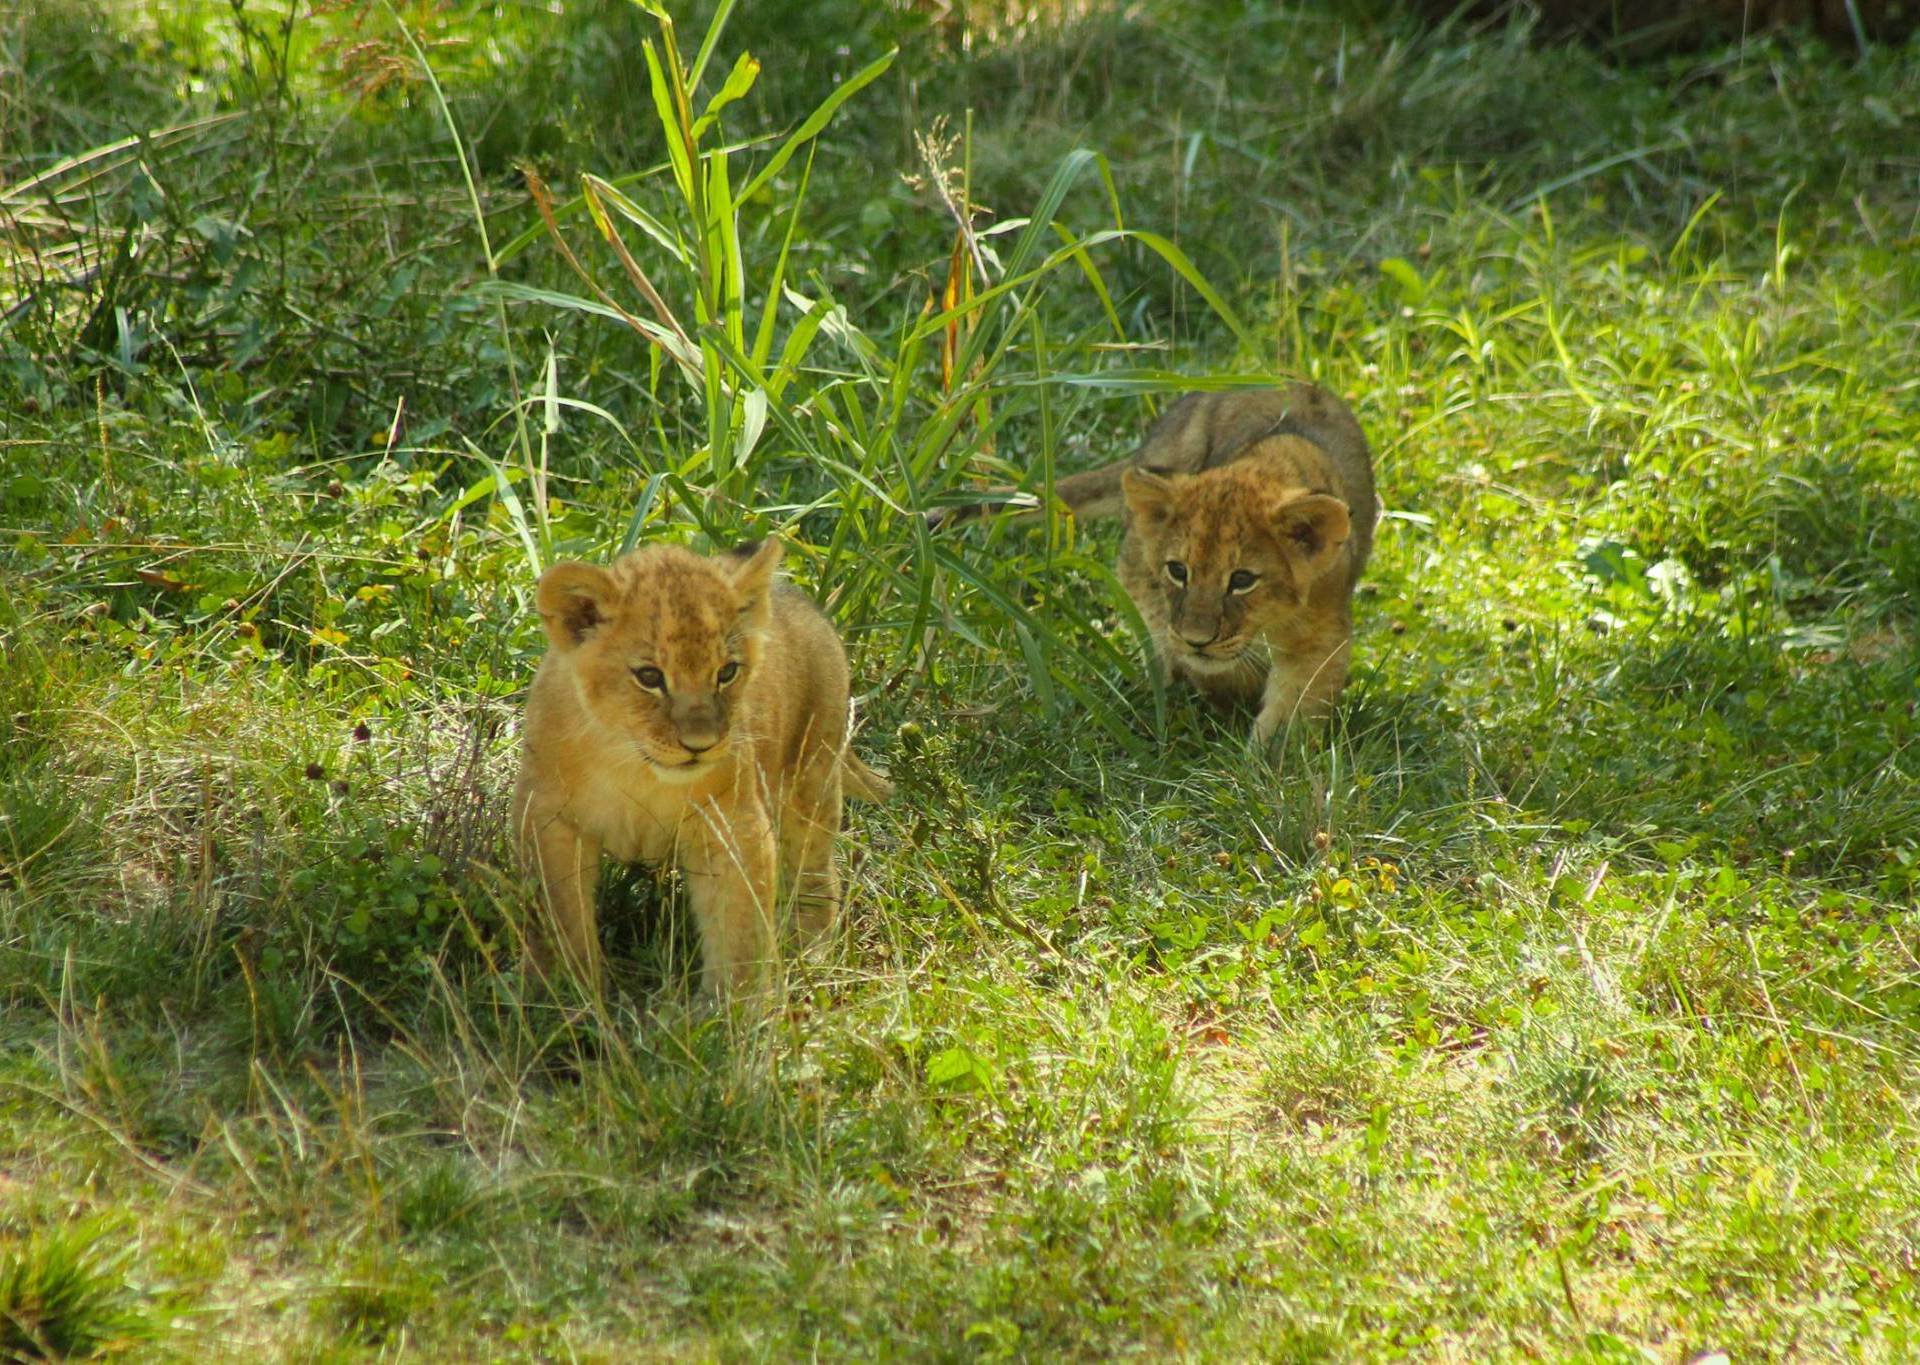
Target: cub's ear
(573, 600)
(1311, 529)
(753, 565)
(1149, 494)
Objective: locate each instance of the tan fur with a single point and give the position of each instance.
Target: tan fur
(1277, 482)
(1204, 431)
(738, 782)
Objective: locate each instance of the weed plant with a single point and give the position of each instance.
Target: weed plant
(1559, 1000)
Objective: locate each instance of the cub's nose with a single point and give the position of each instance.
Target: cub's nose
(1200, 642)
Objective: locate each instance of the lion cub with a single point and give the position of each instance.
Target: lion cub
(689, 711)
(1249, 516)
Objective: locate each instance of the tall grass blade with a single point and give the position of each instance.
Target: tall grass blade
(815, 123)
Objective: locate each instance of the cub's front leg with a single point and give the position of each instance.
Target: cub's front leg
(729, 862)
(568, 862)
(808, 827)
(1302, 685)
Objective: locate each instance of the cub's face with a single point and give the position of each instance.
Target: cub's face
(1229, 551)
(660, 646)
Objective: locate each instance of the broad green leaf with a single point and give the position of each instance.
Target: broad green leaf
(642, 509)
(818, 120)
(724, 224)
(678, 152)
(715, 27)
(1413, 289)
(516, 510)
(739, 81)
(670, 342)
(770, 306)
(606, 191)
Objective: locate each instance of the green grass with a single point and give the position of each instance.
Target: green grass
(1560, 1001)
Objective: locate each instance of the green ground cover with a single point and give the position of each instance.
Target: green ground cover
(1559, 1001)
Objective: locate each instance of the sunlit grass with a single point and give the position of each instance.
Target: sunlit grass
(1559, 1001)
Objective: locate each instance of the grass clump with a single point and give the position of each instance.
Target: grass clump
(65, 1295)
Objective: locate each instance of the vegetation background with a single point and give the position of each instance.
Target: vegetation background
(1559, 1001)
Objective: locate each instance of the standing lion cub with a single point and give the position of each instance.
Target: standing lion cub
(1249, 516)
(689, 711)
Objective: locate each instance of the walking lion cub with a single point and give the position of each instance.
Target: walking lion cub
(1249, 515)
(693, 712)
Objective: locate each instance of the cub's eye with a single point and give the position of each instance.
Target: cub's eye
(1177, 572)
(1242, 580)
(650, 678)
(728, 672)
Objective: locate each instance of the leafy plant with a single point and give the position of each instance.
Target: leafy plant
(383, 905)
(843, 433)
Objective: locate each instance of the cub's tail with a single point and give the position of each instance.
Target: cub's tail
(862, 781)
(1092, 493)
(1194, 432)
(1198, 431)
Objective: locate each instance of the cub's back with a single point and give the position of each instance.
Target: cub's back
(804, 673)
